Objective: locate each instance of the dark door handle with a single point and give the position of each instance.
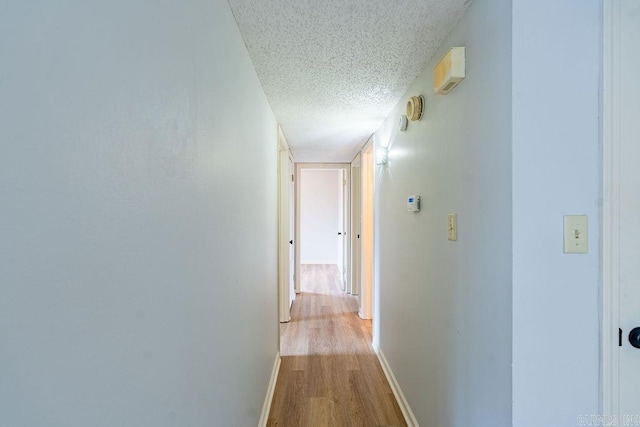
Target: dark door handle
(291, 242)
(339, 233)
(619, 337)
(634, 337)
(358, 236)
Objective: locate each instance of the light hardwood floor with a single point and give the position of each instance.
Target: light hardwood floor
(329, 375)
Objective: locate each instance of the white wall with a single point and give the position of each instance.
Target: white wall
(445, 307)
(556, 171)
(138, 219)
(319, 216)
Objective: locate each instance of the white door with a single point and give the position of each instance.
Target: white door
(285, 263)
(292, 237)
(355, 226)
(621, 210)
(341, 227)
(343, 218)
(629, 210)
(345, 226)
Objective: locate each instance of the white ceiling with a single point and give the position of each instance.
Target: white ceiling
(333, 69)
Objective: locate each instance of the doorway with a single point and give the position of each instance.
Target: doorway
(322, 219)
(621, 231)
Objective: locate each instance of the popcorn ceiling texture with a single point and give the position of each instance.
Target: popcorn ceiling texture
(334, 69)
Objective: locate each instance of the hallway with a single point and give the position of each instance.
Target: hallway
(329, 374)
(150, 164)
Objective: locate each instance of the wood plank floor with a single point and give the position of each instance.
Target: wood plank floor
(329, 375)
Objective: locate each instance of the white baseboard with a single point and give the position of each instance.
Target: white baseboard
(266, 407)
(397, 392)
(319, 262)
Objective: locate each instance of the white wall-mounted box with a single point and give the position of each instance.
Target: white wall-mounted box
(449, 71)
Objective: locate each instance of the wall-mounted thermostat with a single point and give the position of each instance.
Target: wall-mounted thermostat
(413, 203)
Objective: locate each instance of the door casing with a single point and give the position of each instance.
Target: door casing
(367, 240)
(612, 180)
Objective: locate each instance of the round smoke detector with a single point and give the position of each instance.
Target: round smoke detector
(415, 108)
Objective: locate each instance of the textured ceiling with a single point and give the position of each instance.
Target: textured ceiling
(333, 69)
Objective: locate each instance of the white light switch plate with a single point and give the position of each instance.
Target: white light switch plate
(452, 227)
(576, 234)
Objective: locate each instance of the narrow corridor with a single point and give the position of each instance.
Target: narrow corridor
(329, 374)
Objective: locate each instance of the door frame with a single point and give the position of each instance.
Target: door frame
(284, 217)
(346, 167)
(367, 232)
(610, 368)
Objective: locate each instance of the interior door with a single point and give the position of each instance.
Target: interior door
(628, 94)
(355, 226)
(285, 243)
(340, 232)
(292, 232)
(345, 223)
